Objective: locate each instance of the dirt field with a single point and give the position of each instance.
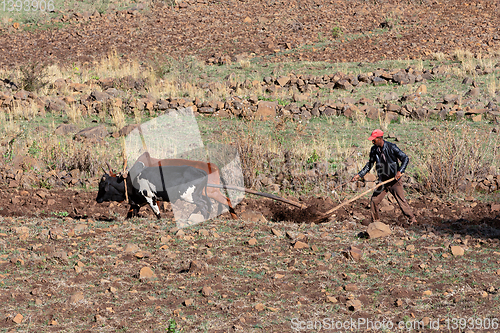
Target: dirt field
(88, 271)
(339, 31)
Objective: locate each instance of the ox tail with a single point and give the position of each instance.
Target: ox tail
(266, 195)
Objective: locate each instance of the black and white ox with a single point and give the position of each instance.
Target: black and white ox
(151, 184)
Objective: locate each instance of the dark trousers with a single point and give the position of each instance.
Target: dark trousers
(396, 189)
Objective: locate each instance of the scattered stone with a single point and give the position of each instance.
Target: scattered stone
(350, 287)
(196, 219)
(427, 293)
(398, 303)
(266, 110)
(203, 232)
(165, 239)
(300, 245)
(331, 299)
(252, 242)
(77, 297)
(354, 253)
(259, 307)
(56, 233)
(253, 216)
(146, 273)
(354, 305)
(474, 92)
(410, 248)
(188, 302)
(131, 248)
(78, 269)
(421, 90)
(97, 132)
(142, 254)
(65, 129)
(18, 318)
(206, 291)
(197, 266)
(276, 232)
(378, 229)
(457, 251)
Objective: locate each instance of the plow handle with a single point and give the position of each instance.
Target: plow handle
(330, 212)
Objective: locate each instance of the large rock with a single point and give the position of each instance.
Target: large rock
(97, 132)
(283, 81)
(100, 96)
(266, 110)
(125, 130)
(64, 129)
(378, 229)
(56, 105)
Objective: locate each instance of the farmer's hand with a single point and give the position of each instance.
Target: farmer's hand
(398, 175)
(355, 178)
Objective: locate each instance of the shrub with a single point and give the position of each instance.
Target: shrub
(453, 153)
(33, 76)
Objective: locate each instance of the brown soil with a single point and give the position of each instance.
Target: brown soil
(432, 213)
(278, 31)
(47, 259)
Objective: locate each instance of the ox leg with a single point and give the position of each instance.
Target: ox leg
(208, 207)
(203, 205)
(232, 212)
(223, 201)
(133, 211)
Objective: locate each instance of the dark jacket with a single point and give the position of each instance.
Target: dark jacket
(387, 168)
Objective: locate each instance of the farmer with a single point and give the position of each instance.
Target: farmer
(386, 155)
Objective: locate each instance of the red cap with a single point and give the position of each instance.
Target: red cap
(376, 134)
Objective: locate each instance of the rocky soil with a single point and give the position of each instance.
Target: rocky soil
(67, 263)
(354, 31)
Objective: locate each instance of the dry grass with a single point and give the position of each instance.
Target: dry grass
(466, 58)
(454, 153)
(439, 56)
(74, 114)
(492, 86)
(8, 125)
(69, 155)
(118, 117)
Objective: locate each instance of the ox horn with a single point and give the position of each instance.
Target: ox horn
(111, 173)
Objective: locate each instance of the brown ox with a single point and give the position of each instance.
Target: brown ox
(211, 169)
